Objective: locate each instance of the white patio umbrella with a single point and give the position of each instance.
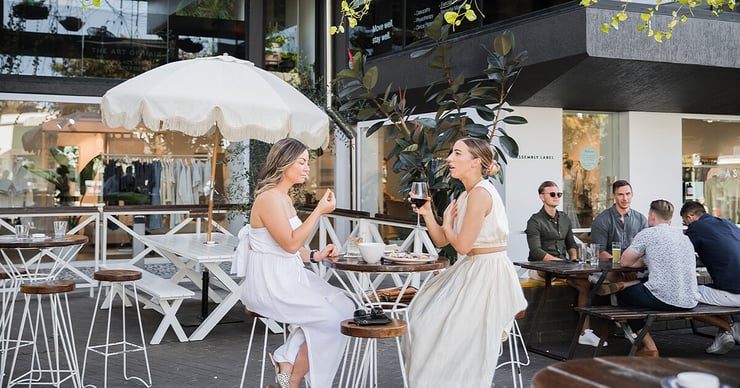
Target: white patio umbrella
(234, 97)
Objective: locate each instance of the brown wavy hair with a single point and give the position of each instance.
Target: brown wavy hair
(281, 156)
(480, 149)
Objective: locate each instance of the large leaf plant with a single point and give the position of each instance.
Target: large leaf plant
(422, 143)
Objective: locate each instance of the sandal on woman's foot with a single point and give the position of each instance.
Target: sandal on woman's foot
(282, 379)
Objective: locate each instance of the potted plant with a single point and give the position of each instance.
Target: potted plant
(31, 10)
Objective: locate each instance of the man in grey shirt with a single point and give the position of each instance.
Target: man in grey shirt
(619, 223)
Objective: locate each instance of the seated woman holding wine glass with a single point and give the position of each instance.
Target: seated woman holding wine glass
(456, 322)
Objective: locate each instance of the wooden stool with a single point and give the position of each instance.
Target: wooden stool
(364, 363)
(62, 336)
(516, 341)
(116, 281)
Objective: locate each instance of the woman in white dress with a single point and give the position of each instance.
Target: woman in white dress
(271, 257)
(457, 321)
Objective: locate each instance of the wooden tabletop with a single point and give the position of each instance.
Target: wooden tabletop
(10, 241)
(357, 265)
(573, 268)
(629, 372)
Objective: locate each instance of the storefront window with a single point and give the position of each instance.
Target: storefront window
(281, 35)
(47, 146)
(590, 164)
(117, 39)
(711, 160)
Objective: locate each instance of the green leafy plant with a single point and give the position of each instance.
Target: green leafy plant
(649, 27)
(421, 143)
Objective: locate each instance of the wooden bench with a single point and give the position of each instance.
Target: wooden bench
(164, 296)
(622, 314)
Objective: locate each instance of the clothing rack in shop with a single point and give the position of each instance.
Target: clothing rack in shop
(106, 156)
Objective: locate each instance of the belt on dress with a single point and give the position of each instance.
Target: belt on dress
(483, 251)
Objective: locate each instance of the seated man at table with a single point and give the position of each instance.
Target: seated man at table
(717, 242)
(619, 223)
(550, 238)
(669, 257)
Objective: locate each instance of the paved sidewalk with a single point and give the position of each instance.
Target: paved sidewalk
(217, 361)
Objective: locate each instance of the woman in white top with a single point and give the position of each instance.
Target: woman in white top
(456, 322)
(271, 257)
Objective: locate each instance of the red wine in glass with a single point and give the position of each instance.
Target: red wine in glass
(418, 202)
(418, 196)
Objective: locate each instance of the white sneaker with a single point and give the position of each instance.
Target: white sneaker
(735, 330)
(589, 338)
(722, 344)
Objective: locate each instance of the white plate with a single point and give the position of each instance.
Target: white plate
(672, 382)
(410, 257)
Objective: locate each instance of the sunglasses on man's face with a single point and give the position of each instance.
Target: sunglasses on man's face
(554, 194)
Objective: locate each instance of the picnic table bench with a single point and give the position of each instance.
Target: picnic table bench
(165, 297)
(621, 314)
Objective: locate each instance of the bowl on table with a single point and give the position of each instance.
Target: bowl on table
(371, 251)
(697, 380)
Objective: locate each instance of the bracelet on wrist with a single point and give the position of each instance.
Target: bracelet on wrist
(311, 256)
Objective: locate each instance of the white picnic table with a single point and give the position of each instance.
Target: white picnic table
(190, 253)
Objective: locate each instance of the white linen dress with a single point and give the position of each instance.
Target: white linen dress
(456, 322)
(278, 286)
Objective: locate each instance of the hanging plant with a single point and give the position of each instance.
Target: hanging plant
(31, 10)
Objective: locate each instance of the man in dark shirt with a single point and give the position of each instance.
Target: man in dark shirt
(717, 242)
(619, 223)
(549, 232)
(550, 238)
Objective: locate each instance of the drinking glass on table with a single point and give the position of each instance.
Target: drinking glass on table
(418, 196)
(616, 251)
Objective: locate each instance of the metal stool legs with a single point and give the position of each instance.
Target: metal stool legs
(516, 342)
(249, 350)
(47, 365)
(117, 286)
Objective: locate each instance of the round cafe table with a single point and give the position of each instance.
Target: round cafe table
(363, 287)
(22, 259)
(630, 372)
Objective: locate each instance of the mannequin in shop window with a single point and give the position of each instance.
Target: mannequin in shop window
(568, 205)
(62, 195)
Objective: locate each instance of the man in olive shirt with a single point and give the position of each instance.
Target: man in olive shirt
(549, 232)
(550, 238)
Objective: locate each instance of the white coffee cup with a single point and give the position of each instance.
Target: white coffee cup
(697, 380)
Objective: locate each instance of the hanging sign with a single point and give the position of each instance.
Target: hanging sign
(589, 158)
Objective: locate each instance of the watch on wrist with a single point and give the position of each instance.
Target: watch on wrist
(311, 255)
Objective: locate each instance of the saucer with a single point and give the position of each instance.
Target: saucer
(672, 382)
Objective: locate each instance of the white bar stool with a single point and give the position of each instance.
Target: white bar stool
(55, 371)
(255, 318)
(516, 342)
(116, 281)
(363, 363)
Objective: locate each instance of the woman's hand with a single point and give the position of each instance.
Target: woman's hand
(450, 215)
(327, 203)
(425, 209)
(329, 253)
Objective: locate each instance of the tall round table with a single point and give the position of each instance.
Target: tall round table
(630, 372)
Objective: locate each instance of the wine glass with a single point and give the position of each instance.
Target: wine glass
(418, 196)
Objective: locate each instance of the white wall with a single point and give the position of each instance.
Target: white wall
(651, 153)
(541, 158)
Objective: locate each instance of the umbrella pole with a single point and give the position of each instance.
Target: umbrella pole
(216, 142)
